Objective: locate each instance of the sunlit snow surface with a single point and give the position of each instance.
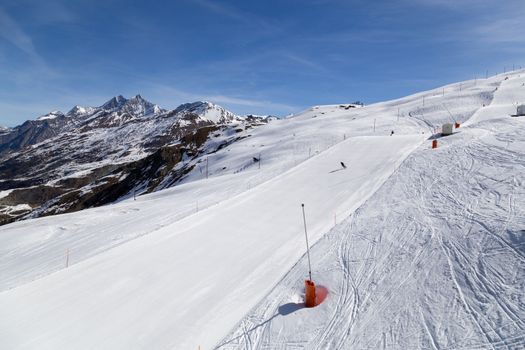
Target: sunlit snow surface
(435, 259)
(428, 251)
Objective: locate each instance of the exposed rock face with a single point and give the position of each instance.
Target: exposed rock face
(31, 132)
(96, 155)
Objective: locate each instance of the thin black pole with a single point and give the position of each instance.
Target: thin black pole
(307, 246)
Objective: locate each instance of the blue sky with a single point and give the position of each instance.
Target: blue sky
(265, 57)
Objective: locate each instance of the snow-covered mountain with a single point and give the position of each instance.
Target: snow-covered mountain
(207, 112)
(51, 115)
(136, 106)
(412, 247)
(95, 155)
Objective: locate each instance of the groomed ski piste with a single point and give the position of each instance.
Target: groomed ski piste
(417, 247)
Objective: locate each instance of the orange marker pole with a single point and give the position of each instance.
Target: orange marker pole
(309, 295)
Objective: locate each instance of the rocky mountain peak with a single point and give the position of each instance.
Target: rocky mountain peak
(197, 107)
(79, 110)
(206, 110)
(136, 106)
(51, 115)
(114, 103)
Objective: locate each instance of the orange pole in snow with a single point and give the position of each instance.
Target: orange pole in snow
(309, 297)
(434, 143)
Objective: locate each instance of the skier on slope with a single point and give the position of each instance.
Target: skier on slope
(343, 165)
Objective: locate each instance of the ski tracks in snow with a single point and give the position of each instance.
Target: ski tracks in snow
(434, 259)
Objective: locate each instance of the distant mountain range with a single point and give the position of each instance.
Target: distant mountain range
(92, 156)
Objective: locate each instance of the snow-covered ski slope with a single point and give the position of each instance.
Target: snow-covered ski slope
(434, 260)
(179, 268)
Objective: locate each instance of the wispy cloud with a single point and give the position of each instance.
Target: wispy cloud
(484, 25)
(378, 36)
(449, 4)
(169, 96)
(295, 58)
(237, 15)
(502, 31)
(249, 103)
(13, 33)
(53, 11)
(222, 9)
(504, 25)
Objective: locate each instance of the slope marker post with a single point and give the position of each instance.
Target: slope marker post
(309, 285)
(307, 245)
